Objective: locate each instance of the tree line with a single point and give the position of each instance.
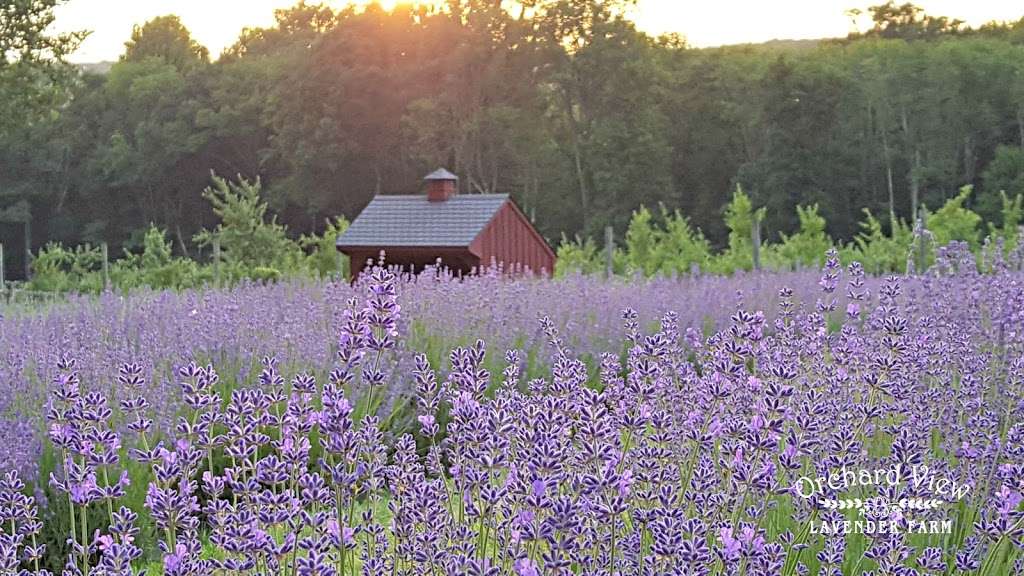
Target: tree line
(249, 244)
(564, 105)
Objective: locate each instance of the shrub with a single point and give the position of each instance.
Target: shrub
(1012, 212)
(325, 260)
(672, 247)
(265, 273)
(57, 269)
(578, 256)
(248, 240)
(155, 266)
(642, 243)
(954, 222)
(805, 248)
(877, 252)
(682, 249)
(739, 218)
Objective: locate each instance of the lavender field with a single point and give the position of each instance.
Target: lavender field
(803, 423)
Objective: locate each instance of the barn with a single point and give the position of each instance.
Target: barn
(463, 231)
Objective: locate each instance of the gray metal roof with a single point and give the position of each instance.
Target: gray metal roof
(415, 221)
(440, 174)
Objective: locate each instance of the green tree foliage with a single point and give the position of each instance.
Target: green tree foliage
(739, 219)
(806, 248)
(562, 104)
(664, 247)
(655, 244)
(325, 260)
(251, 244)
(878, 252)
(35, 84)
(33, 73)
(955, 222)
(642, 243)
(909, 22)
(58, 269)
(797, 128)
(1012, 213)
(682, 248)
(152, 147)
(1004, 174)
(579, 255)
(156, 266)
(166, 39)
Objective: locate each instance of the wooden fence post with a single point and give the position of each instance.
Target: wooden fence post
(216, 262)
(755, 239)
(28, 249)
(3, 284)
(609, 251)
(922, 248)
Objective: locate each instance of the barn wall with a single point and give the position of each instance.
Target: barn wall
(357, 260)
(413, 259)
(510, 240)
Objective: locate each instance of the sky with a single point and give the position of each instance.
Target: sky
(217, 23)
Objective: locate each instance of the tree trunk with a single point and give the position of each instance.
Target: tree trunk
(968, 160)
(65, 177)
(474, 186)
(865, 154)
(535, 193)
(1020, 125)
(478, 161)
(888, 178)
(494, 173)
(28, 246)
(915, 171)
(577, 156)
(181, 240)
(915, 184)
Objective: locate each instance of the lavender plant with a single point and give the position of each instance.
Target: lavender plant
(751, 449)
(298, 322)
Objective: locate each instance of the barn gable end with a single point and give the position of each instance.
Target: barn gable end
(511, 241)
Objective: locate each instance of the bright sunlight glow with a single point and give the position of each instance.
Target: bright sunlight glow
(217, 23)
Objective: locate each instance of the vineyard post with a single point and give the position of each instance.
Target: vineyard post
(755, 240)
(1020, 238)
(28, 248)
(216, 262)
(106, 266)
(609, 251)
(922, 248)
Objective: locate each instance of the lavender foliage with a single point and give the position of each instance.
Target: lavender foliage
(669, 449)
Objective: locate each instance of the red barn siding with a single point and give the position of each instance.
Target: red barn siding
(511, 241)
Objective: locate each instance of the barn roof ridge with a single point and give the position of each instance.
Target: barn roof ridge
(457, 196)
(441, 174)
(411, 220)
